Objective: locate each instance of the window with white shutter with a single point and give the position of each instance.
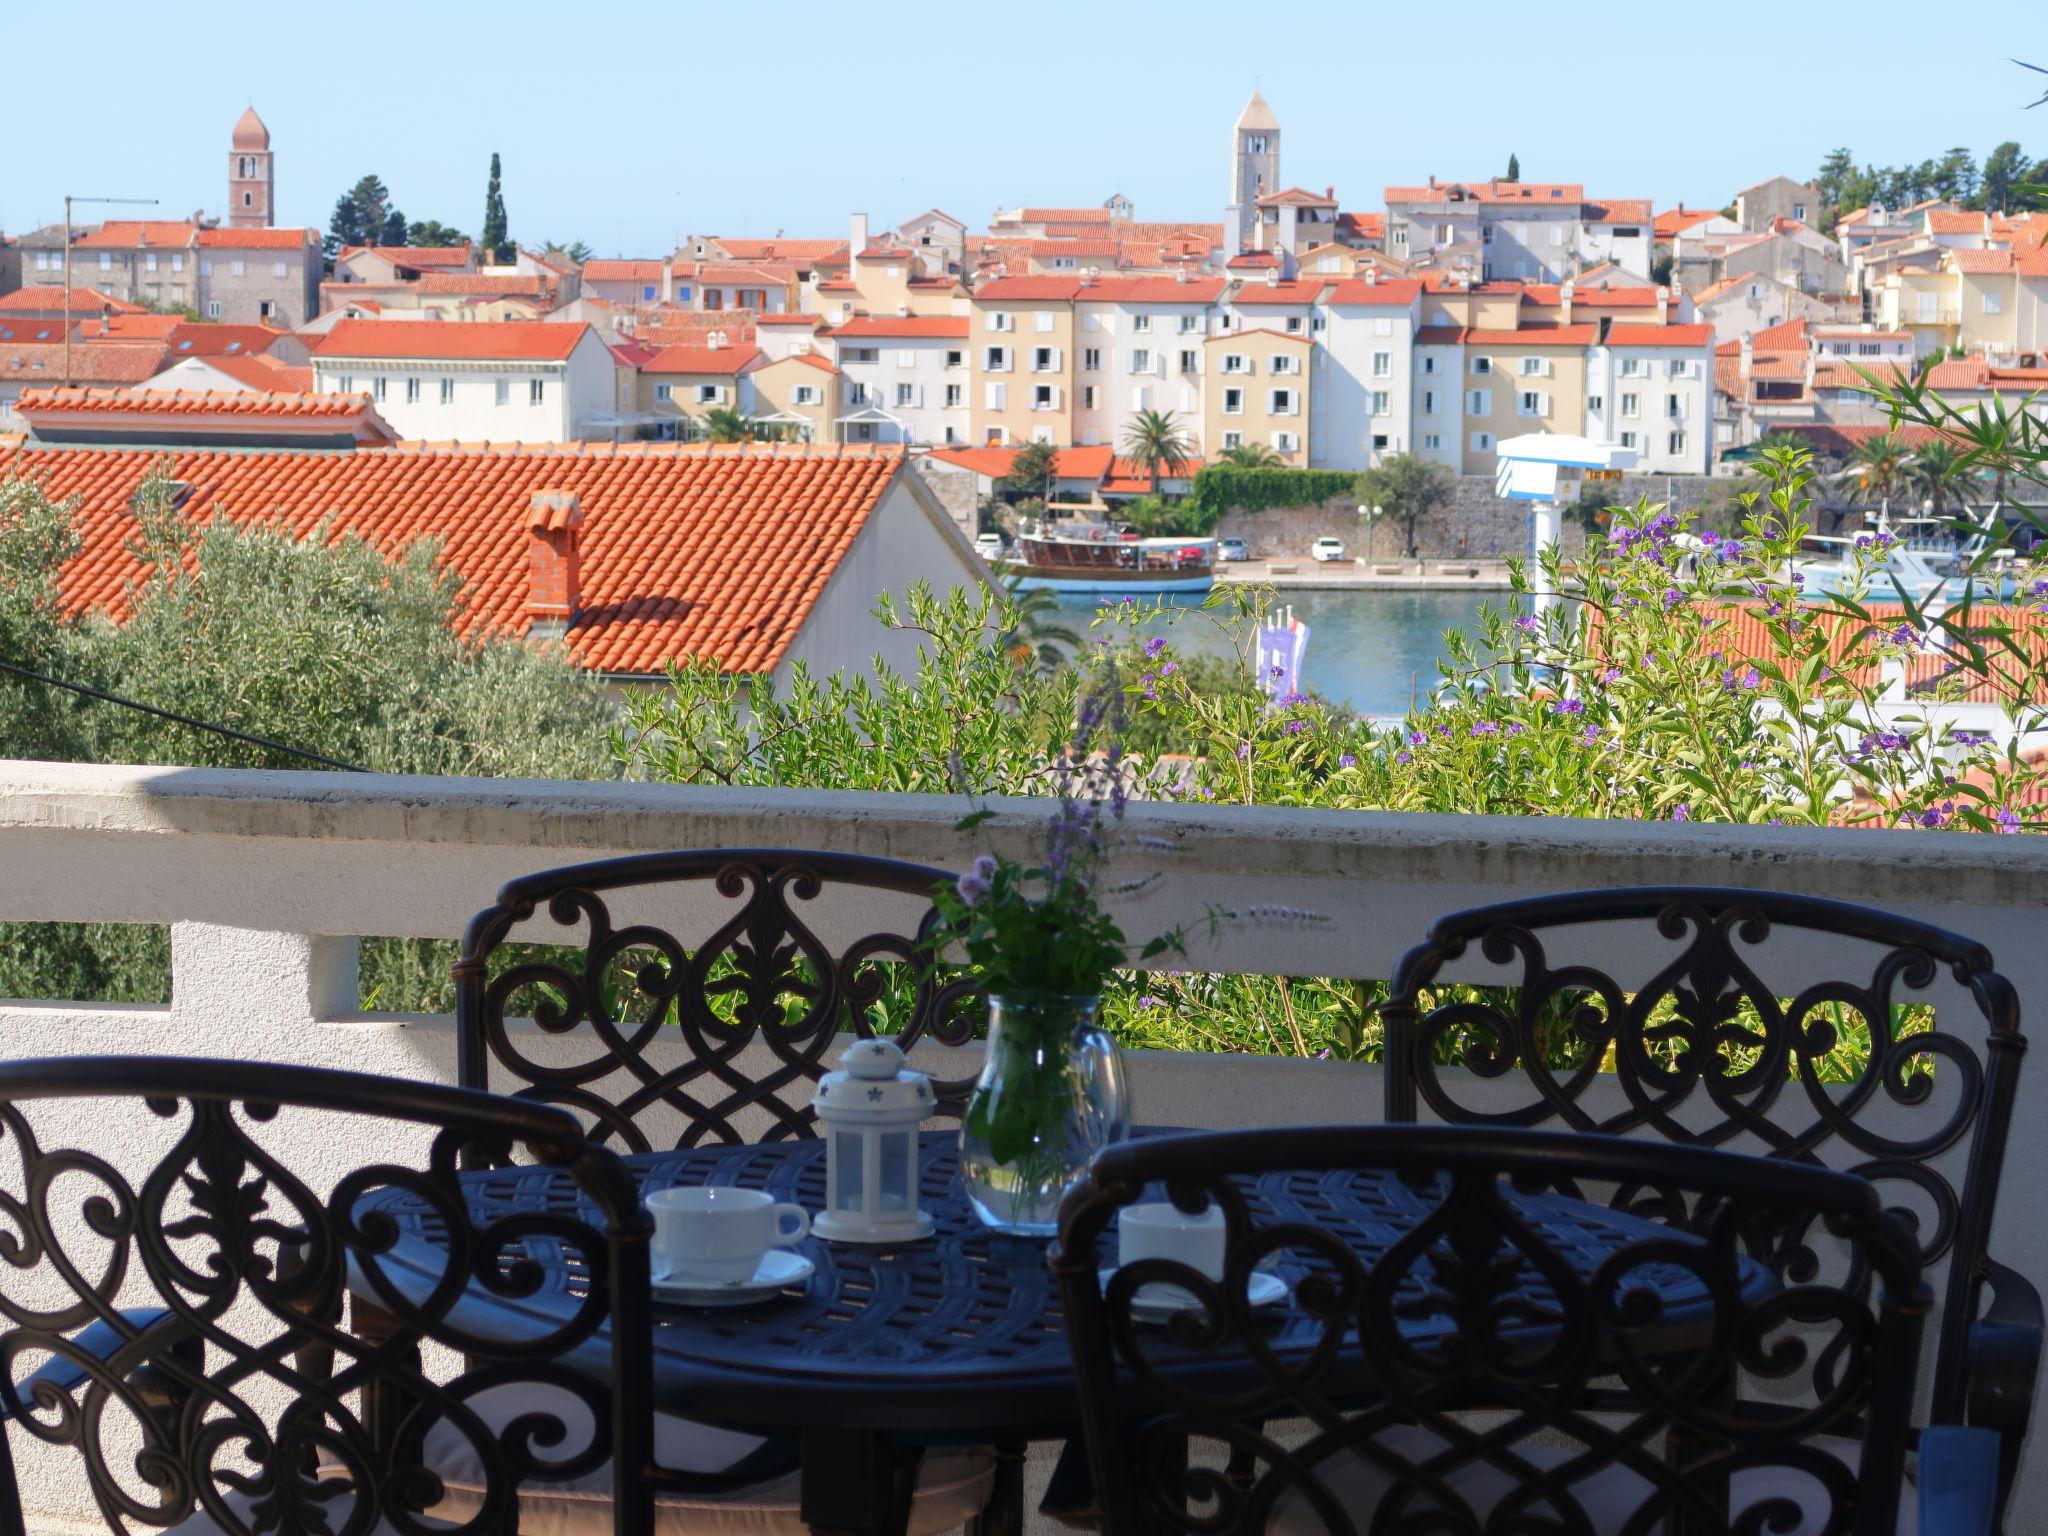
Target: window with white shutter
(1479, 402)
(1382, 326)
(1429, 402)
(905, 358)
(996, 359)
(1045, 320)
(995, 396)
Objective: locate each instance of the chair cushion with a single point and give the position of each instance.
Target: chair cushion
(1609, 1497)
(338, 1512)
(952, 1486)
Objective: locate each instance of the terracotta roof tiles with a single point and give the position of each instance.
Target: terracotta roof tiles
(258, 239)
(433, 339)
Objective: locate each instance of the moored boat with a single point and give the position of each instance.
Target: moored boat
(1097, 558)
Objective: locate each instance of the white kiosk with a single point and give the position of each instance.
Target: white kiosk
(1528, 471)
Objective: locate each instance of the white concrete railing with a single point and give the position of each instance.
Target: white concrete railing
(267, 879)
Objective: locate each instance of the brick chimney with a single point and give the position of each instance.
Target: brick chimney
(554, 530)
(1565, 291)
(1663, 306)
(1748, 356)
(668, 280)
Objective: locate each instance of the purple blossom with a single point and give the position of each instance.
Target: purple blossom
(975, 884)
(1169, 669)
(1874, 742)
(1278, 673)
(1906, 634)
(2040, 589)
(1296, 727)
(1568, 706)
(1244, 751)
(1404, 757)
(1673, 597)
(1752, 679)
(1611, 675)
(1681, 812)
(1485, 728)
(1154, 646)
(1417, 738)
(1290, 700)
(1148, 1001)
(1526, 623)
(1590, 736)
(1933, 816)
(2007, 818)
(1516, 728)
(1347, 761)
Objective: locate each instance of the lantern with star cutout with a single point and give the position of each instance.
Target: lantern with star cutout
(871, 1109)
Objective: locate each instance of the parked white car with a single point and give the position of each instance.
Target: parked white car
(1328, 549)
(989, 546)
(1232, 549)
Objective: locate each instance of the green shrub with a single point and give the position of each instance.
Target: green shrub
(1221, 488)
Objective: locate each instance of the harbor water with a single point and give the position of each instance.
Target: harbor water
(1372, 651)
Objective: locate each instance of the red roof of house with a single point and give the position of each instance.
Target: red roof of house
(1439, 335)
(781, 250)
(92, 362)
(269, 404)
(116, 234)
(520, 340)
(1303, 290)
(808, 322)
(426, 255)
(1536, 336)
(1942, 221)
(1367, 226)
(1676, 221)
(1063, 215)
(685, 550)
(1619, 210)
(906, 327)
(132, 327)
(1298, 197)
(1786, 336)
(685, 359)
(258, 239)
(1067, 463)
(84, 301)
(1388, 290)
(1197, 289)
(622, 271)
(1660, 335)
(491, 285)
(31, 329)
(1560, 193)
(1080, 250)
(1029, 288)
(1975, 373)
(1591, 298)
(1252, 261)
(211, 338)
(262, 371)
(1842, 374)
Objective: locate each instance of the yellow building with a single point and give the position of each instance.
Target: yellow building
(799, 394)
(1923, 302)
(1255, 389)
(2001, 300)
(1530, 378)
(679, 386)
(1020, 340)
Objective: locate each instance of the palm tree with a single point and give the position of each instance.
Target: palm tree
(726, 425)
(1155, 438)
(1877, 471)
(1934, 472)
(1249, 456)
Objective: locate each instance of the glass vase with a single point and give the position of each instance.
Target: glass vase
(1051, 1095)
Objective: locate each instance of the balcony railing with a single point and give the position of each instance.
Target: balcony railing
(267, 879)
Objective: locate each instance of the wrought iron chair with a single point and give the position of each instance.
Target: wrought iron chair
(1481, 1375)
(172, 1308)
(1695, 1043)
(651, 1039)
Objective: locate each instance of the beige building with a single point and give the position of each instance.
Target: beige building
(679, 386)
(1258, 385)
(799, 394)
(1778, 198)
(1020, 340)
(1510, 382)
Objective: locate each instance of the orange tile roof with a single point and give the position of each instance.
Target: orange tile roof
(1063, 215)
(1169, 229)
(1297, 197)
(262, 371)
(1984, 261)
(92, 362)
(1574, 335)
(133, 327)
(512, 340)
(1252, 260)
(904, 326)
(1619, 210)
(1565, 192)
(1029, 288)
(514, 285)
(211, 338)
(1367, 226)
(808, 322)
(1778, 365)
(31, 330)
(1080, 250)
(258, 239)
(1303, 290)
(1153, 290)
(117, 234)
(782, 250)
(1676, 221)
(83, 301)
(1090, 463)
(1388, 290)
(1784, 336)
(709, 360)
(1660, 335)
(1591, 298)
(1941, 221)
(1976, 373)
(622, 271)
(189, 402)
(1842, 374)
(686, 550)
(425, 255)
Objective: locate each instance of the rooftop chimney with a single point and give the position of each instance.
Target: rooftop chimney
(668, 280)
(1663, 306)
(554, 528)
(1742, 367)
(856, 242)
(1564, 300)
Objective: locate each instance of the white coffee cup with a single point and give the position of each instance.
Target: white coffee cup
(718, 1235)
(1163, 1230)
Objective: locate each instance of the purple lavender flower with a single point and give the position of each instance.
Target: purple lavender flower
(1417, 738)
(1404, 757)
(1526, 623)
(1154, 646)
(974, 886)
(1681, 812)
(1610, 676)
(1568, 706)
(1752, 679)
(1673, 597)
(1148, 1001)
(1347, 761)
(1590, 736)
(1863, 541)
(1169, 669)
(2007, 818)
(1296, 727)
(1485, 728)
(1244, 750)
(1874, 742)
(1290, 700)
(1906, 634)
(1516, 728)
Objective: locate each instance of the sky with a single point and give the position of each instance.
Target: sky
(629, 126)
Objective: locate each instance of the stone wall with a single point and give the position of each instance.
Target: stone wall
(952, 487)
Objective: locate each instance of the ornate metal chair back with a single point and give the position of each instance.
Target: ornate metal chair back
(1483, 1373)
(183, 1248)
(655, 1040)
(1790, 1027)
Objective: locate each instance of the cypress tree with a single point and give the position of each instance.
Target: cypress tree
(493, 238)
(1514, 169)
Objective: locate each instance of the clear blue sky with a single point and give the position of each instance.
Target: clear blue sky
(629, 125)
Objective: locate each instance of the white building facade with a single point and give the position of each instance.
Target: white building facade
(1363, 401)
(905, 378)
(1138, 347)
(1650, 388)
(510, 382)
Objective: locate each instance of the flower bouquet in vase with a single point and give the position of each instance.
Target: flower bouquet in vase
(1052, 1090)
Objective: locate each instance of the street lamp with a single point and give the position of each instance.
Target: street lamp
(98, 201)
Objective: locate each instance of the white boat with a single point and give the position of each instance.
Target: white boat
(1111, 562)
(1924, 556)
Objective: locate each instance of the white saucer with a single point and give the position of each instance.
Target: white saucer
(779, 1270)
(1159, 1302)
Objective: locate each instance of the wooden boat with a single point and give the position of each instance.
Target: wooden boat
(1100, 559)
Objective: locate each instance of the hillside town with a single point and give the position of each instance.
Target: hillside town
(1298, 328)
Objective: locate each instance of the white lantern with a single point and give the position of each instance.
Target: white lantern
(871, 1109)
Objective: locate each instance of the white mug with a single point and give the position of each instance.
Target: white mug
(1163, 1230)
(718, 1235)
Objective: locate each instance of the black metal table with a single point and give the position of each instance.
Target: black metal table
(955, 1339)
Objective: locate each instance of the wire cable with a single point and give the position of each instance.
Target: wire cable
(171, 714)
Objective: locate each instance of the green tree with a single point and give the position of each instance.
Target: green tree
(1514, 169)
(431, 232)
(726, 425)
(1877, 471)
(1156, 440)
(360, 215)
(2004, 169)
(1954, 176)
(494, 239)
(1832, 182)
(1031, 470)
(575, 252)
(1249, 456)
(396, 232)
(1938, 475)
(1406, 489)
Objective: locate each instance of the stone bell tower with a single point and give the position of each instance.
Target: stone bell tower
(251, 175)
(1254, 170)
